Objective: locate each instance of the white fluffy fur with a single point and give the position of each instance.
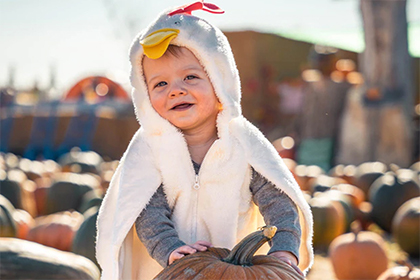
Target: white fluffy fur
(221, 211)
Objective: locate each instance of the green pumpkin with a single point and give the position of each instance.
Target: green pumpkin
(85, 238)
(389, 192)
(22, 259)
(406, 227)
(8, 227)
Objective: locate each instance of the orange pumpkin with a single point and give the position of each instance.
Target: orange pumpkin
(56, 230)
(356, 195)
(24, 222)
(346, 172)
(329, 221)
(358, 255)
(305, 173)
(404, 272)
(219, 263)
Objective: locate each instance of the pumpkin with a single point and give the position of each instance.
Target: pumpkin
(406, 227)
(363, 214)
(305, 173)
(19, 191)
(389, 192)
(324, 183)
(358, 255)
(67, 191)
(329, 221)
(8, 226)
(367, 173)
(90, 199)
(81, 162)
(40, 194)
(403, 272)
(85, 238)
(22, 259)
(240, 263)
(337, 196)
(345, 172)
(356, 195)
(56, 230)
(24, 222)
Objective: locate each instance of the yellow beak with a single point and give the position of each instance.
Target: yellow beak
(156, 43)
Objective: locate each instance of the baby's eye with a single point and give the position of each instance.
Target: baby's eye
(160, 84)
(191, 77)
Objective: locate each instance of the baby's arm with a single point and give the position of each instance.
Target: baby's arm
(278, 210)
(156, 229)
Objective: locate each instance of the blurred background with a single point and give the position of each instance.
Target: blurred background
(333, 84)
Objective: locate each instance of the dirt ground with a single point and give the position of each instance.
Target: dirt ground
(322, 269)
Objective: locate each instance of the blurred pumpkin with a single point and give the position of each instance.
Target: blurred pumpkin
(323, 183)
(364, 214)
(358, 255)
(367, 173)
(67, 191)
(337, 196)
(77, 161)
(305, 173)
(356, 195)
(345, 172)
(240, 263)
(10, 186)
(329, 221)
(406, 227)
(18, 190)
(388, 193)
(90, 199)
(24, 222)
(56, 230)
(32, 169)
(40, 194)
(85, 239)
(403, 272)
(21, 259)
(8, 226)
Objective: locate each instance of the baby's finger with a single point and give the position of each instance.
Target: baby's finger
(201, 245)
(186, 250)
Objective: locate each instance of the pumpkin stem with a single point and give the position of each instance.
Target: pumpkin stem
(356, 227)
(243, 252)
(407, 263)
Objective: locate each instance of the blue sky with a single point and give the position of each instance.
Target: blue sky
(76, 38)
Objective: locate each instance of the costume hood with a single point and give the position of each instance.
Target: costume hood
(158, 153)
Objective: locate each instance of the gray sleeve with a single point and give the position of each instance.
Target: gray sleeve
(156, 230)
(278, 210)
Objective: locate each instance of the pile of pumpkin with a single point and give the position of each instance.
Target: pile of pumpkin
(48, 214)
(366, 218)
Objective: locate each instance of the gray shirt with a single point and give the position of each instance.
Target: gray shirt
(157, 232)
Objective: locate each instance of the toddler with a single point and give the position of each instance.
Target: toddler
(197, 173)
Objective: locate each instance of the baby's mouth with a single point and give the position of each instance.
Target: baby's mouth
(182, 106)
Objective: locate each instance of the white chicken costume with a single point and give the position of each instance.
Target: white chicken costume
(219, 208)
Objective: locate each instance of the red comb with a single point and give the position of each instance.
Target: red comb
(199, 5)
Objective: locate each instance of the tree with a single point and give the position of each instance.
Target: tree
(387, 96)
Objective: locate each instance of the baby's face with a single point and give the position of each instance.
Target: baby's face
(181, 92)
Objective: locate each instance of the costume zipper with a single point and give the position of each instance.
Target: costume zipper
(196, 187)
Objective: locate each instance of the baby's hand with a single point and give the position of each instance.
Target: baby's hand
(288, 258)
(188, 249)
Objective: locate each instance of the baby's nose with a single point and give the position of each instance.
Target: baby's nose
(177, 89)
